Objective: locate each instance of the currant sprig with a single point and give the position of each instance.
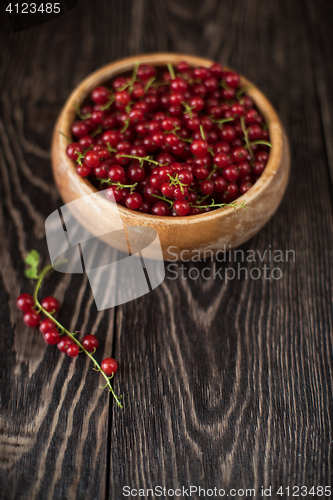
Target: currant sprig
(32, 307)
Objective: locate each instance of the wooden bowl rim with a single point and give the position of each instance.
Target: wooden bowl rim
(110, 70)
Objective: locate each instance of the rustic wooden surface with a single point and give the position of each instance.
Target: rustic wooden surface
(225, 385)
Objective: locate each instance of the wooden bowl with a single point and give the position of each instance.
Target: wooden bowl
(220, 229)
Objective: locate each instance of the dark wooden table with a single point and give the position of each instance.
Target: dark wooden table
(226, 385)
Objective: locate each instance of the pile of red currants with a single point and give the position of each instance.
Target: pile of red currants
(173, 142)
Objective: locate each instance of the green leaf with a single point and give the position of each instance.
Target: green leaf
(31, 273)
(32, 260)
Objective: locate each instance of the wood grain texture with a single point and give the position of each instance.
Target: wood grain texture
(230, 383)
(226, 384)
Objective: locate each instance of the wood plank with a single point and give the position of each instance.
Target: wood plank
(54, 421)
(322, 56)
(230, 384)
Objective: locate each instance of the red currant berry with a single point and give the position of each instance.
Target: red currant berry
(145, 72)
(244, 168)
(221, 160)
(122, 98)
(231, 79)
(255, 132)
(220, 184)
(73, 350)
(217, 70)
(80, 129)
(245, 186)
(116, 173)
(45, 325)
(136, 173)
(90, 342)
(156, 181)
(238, 154)
(64, 343)
(182, 66)
(150, 193)
(145, 207)
(197, 103)
(179, 84)
(52, 336)
(50, 304)
(186, 177)
(258, 167)
(228, 133)
(230, 193)
(100, 95)
(180, 192)
(252, 116)
(200, 172)
(109, 366)
(237, 110)
(86, 142)
(207, 186)
(165, 172)
(199, 147)
(133, 201)
(31, 318)
(91, 158)
(230, 173)
(262, 156)
(114, 193)
(110, 137)
(160, 208)
(101, 170)
(176, 98)
(201, 73)
(83, 170)
(73, 149)
(181, 207)
(25, 302)
(167, 189)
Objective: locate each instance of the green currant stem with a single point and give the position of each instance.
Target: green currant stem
(214, 170)
(174, 181)
(68, 139)
(164, 199)
(183, 139)
(149, 83)
(79, 158)
(110, 149)
(242, 91)
(200, 200)
(266, 143)
(202, 133)
(40, 308)
(79, 114)
(125, 127)
(133, 79)
(141, 159)
(222, 121)
(188, 108)
(246, 137)
(233, 204)
(224, 85)
(118, 184)
(97, 131)
(107, 104)
(171, 71)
